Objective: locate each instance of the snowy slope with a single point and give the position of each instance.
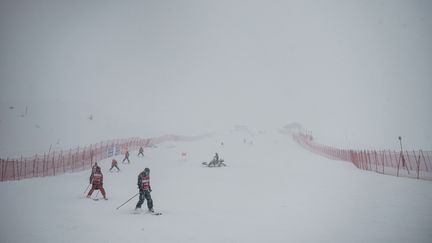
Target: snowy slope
(272, 191)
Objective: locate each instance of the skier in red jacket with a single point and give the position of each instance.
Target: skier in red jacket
(96, 179)
(114, 164)
(144, 190)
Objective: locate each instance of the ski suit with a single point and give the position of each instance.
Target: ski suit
(95, 168)
(144, 190)
(215, 160)
(126, 157)
(141, 151)
(114, 164)
(96, 179)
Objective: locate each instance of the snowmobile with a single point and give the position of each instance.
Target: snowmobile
(214, 163)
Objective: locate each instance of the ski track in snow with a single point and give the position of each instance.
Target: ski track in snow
(271, 191)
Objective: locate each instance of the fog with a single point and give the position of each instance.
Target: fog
(355, 73)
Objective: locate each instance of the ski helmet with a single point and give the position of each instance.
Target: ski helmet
(147, 170)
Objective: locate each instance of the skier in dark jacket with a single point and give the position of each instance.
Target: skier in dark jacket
(216, 158)
(95, 167)
(141, 151)
(126, 157)
(144, 190)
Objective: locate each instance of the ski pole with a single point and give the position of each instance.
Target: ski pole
(97, 193)
(401, 152)
(87, 188)
(128, 200)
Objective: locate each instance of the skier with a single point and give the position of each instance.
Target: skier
(96, 179)
(215, 160)
(144, 190)
(126, 157)
(183, 155)
(114, 164)
(95, 167)
(141, 151)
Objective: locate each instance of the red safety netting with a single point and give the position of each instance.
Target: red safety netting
(78, 159)
(412, 164)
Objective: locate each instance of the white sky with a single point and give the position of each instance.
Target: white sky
(356, 73)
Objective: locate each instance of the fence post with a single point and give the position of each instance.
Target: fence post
(376, 161)
(1, 167)
(76, 159)
(21, 167)
(64, 171)
(4, 167)
(418, 164)
(399, 160)
(44, 165)
(391, 160)
(83, 158)
(429, 159)
(366, 162)
(369, 160)
(53, 163)
(424, 160)
(25, 168)
(73, 163)
(409, 162)
(351, 157)
(91, 154)
(13, 168)
(34, 165)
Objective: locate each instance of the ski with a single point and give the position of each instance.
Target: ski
(97, 199)
(220, 163)
(146, 212)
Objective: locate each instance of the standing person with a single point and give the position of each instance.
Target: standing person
(126, 157)
(114, 164)
(96, 179)
(94, 168)
(144, 190)
(141, 151)
(214, 161)
(216, 158)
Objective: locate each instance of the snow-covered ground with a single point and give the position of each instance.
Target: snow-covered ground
(271, 191)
